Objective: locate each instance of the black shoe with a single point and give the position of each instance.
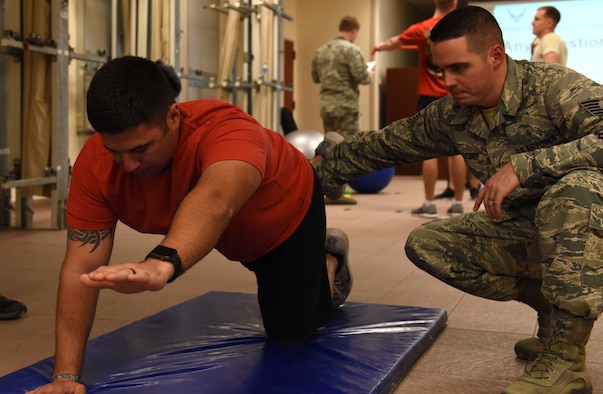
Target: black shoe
(11, 309)
(474, 191)
(447, 193)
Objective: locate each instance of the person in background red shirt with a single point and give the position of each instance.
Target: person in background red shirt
(431, 87)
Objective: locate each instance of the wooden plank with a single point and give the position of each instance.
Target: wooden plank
(227, 52)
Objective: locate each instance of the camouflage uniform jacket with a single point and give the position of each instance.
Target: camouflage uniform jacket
(339, 67)
(546, 123)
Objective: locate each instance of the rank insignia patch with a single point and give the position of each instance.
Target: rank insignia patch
(594, 107)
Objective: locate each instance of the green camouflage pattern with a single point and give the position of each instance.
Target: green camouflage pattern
(569, 219)
(346, 124)
(339, 67)
(547, 124)
(482, 258)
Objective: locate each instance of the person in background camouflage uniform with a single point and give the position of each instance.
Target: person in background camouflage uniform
(530, 133)
(339, 67)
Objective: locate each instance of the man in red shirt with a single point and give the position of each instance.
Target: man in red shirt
(207, 175)
(431, 87)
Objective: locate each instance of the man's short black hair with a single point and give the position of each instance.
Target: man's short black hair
(127, 92)
(476, 23)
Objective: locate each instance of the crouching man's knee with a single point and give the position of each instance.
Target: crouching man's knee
(422, 248)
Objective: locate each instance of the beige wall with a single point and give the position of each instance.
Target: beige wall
(316, 22)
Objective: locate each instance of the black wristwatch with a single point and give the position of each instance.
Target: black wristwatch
(170, 255)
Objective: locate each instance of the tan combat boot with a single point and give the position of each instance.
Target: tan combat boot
(561, 368)
(529, 348)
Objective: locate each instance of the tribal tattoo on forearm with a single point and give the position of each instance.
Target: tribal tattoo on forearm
(93, 237)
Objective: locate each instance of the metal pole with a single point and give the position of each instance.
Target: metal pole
(279, 65)
(250, 56)
(60, 112)
(114, 13)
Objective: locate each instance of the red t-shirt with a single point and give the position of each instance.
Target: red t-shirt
(101, 192)
(431, 82)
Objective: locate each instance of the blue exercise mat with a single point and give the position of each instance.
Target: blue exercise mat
(215, 343)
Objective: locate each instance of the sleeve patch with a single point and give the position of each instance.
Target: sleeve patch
(593, 107)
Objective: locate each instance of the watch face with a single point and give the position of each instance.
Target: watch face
(165, 251)
(170, 255)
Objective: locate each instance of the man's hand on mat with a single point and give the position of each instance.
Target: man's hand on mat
(127, 277)
(63, 386)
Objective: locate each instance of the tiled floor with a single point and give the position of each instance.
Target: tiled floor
(474, 353)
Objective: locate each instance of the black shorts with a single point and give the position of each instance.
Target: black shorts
(293, 287)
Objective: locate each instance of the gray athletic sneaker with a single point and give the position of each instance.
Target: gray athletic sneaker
(455, 210)
(425, 211)
(330, 141)
(337, 244)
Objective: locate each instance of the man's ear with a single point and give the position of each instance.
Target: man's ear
(497, 55)
(550, 23)
(173, 115)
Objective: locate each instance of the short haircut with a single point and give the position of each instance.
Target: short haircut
(551, 12)
(475, 23)
(128, 92)
(349, 23)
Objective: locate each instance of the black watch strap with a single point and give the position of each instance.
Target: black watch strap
(170, 255)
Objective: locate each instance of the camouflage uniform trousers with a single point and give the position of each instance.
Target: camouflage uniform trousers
(562, 244)
(345, 124)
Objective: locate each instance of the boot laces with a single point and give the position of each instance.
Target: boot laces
(554, 352)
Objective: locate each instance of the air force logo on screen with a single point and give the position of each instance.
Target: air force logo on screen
(516, 13)
(580, 27)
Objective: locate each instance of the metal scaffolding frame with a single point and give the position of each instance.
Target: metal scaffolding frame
(59, 172)
(57, 175)
(234, 83)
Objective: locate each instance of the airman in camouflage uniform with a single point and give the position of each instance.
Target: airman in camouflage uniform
(530, 133)
(339, 67)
